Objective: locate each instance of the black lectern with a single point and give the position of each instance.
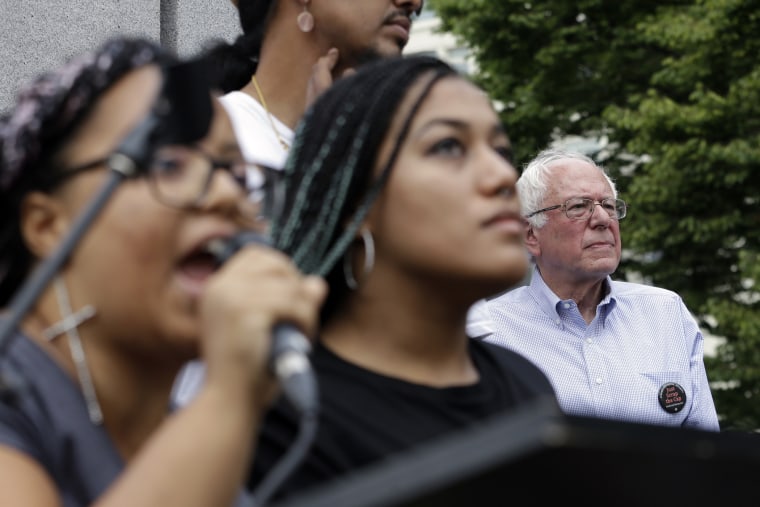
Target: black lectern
(539, 457)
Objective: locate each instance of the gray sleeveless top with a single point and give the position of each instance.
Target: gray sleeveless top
(45, 416)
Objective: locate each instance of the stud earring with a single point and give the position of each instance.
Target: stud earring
(305, 20)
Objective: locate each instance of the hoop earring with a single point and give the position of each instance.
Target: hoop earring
(69, 325)
(369, 260)
(305, 20)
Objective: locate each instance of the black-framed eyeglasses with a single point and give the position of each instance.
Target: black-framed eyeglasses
(581, 208)
(180, 176)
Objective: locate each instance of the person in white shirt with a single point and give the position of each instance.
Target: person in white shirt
(291, 51)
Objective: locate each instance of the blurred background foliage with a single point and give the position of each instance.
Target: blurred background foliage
(669, 93)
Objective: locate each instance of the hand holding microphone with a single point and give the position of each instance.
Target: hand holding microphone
(288, 358)
(289, 350)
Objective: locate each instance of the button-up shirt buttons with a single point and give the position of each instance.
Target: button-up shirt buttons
(589, 340)
(558, 322)
(598, 380)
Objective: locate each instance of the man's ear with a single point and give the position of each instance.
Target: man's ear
(43, 223)
(531, 241)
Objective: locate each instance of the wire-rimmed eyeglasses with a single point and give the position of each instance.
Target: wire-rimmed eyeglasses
(581, 208)
(180, 176)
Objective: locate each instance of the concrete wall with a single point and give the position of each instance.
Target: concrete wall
(37, 35)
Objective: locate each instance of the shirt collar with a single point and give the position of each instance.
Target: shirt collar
(547, 300)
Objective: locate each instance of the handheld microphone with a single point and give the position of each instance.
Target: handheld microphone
(288, 358)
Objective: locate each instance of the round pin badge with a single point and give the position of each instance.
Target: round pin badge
(672, 397)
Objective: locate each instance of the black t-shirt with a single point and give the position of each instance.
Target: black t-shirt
(365, 416)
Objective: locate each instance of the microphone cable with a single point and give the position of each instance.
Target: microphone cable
(297, 378)
(286, 465)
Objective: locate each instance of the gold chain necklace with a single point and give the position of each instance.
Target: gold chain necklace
(283, 143)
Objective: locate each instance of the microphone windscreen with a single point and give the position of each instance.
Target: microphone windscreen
(223, 249)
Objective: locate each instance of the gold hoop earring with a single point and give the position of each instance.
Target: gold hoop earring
(305, 20)
(369, 260)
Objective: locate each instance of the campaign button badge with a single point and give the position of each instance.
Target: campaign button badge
(672, 397)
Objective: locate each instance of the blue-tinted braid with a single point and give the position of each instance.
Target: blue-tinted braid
(325, 262)
(339, 194)
(313, 247)
(314, 244)
(302, 200)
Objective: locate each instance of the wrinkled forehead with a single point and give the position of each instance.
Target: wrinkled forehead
(576, 178)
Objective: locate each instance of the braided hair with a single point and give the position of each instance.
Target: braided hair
(328, 181)
(233, 65)
(47, 113)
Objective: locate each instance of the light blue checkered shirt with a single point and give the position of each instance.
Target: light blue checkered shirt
(641, 339)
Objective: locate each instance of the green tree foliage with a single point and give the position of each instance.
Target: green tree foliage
(555, 65)
(675, 87)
